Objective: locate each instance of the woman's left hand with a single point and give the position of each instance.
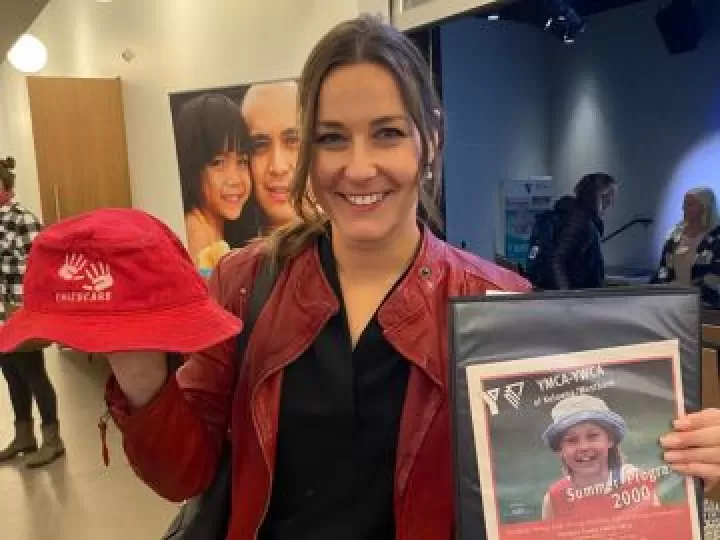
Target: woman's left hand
(693, 447)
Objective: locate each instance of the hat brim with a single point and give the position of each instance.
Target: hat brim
(612, 421)
(182, 329)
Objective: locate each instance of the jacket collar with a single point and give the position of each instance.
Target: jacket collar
(410, 314)
(407, 317)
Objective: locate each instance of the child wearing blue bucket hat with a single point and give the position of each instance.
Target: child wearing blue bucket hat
(597, 482)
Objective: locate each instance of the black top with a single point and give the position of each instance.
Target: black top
(576, 257)
(339, 421)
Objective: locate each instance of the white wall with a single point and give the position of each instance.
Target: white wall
(625, 106)
(16, 137)
(179, 45)
(375, 7)
(4, 144)
(496, 93)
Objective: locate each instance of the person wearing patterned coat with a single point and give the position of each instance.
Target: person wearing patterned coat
(691, 254)
(24, 371)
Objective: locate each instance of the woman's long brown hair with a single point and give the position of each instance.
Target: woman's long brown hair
(366, 39)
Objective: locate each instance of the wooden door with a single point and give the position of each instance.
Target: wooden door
(80, 145)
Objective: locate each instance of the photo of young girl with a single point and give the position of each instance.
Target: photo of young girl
(586, 435)
(213, 147)
(567, 446)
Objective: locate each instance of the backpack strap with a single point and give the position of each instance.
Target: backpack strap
(207, 515)
(261, 289)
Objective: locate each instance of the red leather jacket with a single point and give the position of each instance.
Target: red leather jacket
(173, 443)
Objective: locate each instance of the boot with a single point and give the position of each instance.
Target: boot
(51, 449)
(23, 442)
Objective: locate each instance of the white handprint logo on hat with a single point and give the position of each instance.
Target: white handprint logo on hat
(100, 278)
(73, 267)
(94, 280)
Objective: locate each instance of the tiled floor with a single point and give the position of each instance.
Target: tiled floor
(77, 497)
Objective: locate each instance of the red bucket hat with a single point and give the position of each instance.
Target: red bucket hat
(115, 280)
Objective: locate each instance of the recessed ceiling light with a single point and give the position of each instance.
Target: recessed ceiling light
(28, 55)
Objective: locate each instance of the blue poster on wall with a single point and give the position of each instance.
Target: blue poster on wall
(524, 200)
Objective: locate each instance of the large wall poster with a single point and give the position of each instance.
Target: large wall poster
(237, 150)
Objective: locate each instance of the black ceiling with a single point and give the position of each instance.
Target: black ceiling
(534, 11)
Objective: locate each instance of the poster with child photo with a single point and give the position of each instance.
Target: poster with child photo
(237, 151)
(567, 446)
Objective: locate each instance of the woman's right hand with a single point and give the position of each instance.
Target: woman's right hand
(140, 375)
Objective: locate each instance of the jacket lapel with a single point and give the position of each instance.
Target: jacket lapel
(281, 335)
(416, 329)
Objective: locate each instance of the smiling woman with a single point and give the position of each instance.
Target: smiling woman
(367, 151)
(372, 128)
(347, 362)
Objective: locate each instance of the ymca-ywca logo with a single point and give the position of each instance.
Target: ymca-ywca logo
(512, 394)
(95, 280)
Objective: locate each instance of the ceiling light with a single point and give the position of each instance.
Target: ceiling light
(563, 21)
(28, 55)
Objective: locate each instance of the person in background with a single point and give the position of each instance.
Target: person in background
(213, 147)
(691, 254)
(24, 371)
(270, 111)
(341, 418)
(574, 258)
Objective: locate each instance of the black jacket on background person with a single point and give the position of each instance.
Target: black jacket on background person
(575, 258)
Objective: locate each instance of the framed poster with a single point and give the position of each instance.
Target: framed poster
(567, 445)
(522, 363)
